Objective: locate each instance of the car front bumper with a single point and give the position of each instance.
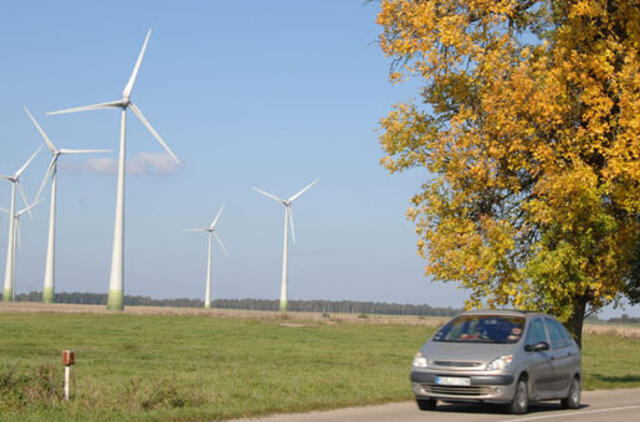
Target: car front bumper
(484, 387)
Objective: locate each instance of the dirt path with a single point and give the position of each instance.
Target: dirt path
(34, 307)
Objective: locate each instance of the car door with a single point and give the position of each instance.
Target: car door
(562, 355)
(539, 363)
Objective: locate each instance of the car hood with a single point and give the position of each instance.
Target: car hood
(464, 352)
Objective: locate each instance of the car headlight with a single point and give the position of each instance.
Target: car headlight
(499, 363)
(419, 361)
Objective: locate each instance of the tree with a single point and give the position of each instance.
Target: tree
(529, 128)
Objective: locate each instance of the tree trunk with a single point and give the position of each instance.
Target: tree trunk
(575, 323)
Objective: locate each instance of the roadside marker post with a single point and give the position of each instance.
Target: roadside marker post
(68, 359)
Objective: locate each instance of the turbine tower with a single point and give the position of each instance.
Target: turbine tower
(212, 233)
(49, 271)
(9, 271)
(288, 217)
(16, 233)
(116, 281)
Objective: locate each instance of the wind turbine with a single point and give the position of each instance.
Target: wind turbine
(9, 271)
(288, 215)
(49, 271)
(212, 233)
(116, 282)
(16, 233)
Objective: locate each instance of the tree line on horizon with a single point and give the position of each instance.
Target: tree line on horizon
(319, 306)
(324, 306)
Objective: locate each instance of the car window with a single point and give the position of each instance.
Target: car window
(482, 329)
(535, 332)
(568, 338)
(556, 334)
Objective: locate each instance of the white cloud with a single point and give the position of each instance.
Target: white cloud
(151, 163)
(143, 163)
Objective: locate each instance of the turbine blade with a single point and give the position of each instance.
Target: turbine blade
(24, 198)
(215, 220)
(196, 230)
(5, 177)
(4, 210)
(144, 121)
(83, 151)
(221, 244)
(25, 209)
(24, 166)
(110, 104)
(46, 176)
(126, 93)
(293, 231)
(50, 145)
(306, 188)
(275, 198)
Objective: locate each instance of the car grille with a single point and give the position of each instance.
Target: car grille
(455, 390)
(457, 364)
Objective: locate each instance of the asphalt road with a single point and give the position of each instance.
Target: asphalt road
(601, 405)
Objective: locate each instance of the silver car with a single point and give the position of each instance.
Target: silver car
(509, 357)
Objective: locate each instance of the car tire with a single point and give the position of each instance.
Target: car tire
(572, 401)
(520, 402)
(426, 404)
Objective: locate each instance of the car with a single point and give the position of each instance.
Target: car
(499, 356)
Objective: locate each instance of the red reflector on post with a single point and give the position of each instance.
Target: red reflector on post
(68, 358)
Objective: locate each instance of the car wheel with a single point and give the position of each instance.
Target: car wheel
(520, 402)
(572, 401)
(426, 404)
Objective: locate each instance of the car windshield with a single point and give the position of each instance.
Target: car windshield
(482, 329)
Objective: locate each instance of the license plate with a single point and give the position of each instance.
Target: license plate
(453, 381)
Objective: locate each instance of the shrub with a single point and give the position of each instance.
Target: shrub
(42, 386)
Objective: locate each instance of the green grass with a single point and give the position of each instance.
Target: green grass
(610, 362)
(188, 368)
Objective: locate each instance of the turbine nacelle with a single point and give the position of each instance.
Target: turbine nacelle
(16, 178)
(55, 152)
(287, 204)
(126, 103)
(201, 229)
(212, 230)
(27, 208)
(16, 218)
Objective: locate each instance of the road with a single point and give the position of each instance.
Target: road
(601, 405)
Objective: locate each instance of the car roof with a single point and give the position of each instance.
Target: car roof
(509, 312)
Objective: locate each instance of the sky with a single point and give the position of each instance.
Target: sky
(266, 94)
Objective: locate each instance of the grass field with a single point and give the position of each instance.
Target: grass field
(199, 367)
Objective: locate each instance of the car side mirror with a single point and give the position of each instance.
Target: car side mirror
(538, 347)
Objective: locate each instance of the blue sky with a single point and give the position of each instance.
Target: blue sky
(266, 94)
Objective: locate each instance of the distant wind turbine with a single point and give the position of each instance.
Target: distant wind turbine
(212, 233)
(9, 271)
(116, 283)
(288, 218)
(49, 271)
(18, 237)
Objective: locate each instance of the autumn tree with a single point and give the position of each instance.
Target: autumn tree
(529, 126)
